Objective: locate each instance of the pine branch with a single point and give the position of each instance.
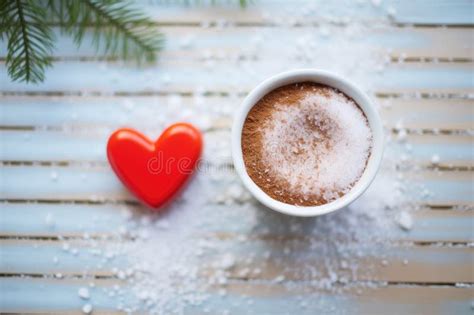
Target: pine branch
(30, 40)
(25, 25)
(124, 29)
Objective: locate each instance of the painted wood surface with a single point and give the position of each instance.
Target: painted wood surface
(53, 137)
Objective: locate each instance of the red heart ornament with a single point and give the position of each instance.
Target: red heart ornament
(154, 171)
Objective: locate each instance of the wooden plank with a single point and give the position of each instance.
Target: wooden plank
(231, 43)
(228, 222)
(380, 263)
(428, 113)
(87, 145)
(60, 296)
(91, 113)
(29, 146)
(85, 183)
(170, 76)
(39, 257)
(422, 12)
(306, 261)
(23, 295)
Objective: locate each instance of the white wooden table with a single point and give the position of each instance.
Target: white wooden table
(62, 208)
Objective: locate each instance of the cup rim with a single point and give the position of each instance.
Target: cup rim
(325, 78)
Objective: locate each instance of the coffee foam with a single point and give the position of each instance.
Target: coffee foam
(318, 146)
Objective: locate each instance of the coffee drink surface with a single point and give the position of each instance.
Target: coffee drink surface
(306, 144)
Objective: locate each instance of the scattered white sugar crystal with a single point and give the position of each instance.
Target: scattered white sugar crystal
(222, 292)
(391, 12)
(334, 139)
(121, 275)
(66, 247)
(143, 295)
(404, 158)
(399, 125)
(244, 272)
(110, 255)
(279, 279)
(163, 224)
(49, 220)
(344, 264)
(235, 191)
(54, 176)
(222, 280)
(435, 159)
(405, 261)
(402, 135)
(87, 309)
(166, 263)
(227, 262)
(376, 3)
(405, 221)
(186, 42)
(123, 230)
(242, 238)
(84, 293)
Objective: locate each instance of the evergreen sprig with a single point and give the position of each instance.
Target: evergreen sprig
(30, 40)
(118, 30)
(125, 30)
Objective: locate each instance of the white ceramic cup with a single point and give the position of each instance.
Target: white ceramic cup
(329, 79)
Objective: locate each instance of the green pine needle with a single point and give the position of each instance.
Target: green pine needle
(30, 40)
(118, 30)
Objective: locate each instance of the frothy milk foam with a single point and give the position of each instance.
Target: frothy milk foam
(310, 144)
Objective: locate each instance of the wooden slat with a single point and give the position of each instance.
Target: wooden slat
(197, 43)
(59, 296)
(191, 76)
(36, 257)
(228, 222)
(422, 12)
(92, 113)
(83, 146)
(23, 295)
(387, 263)
(83, 183)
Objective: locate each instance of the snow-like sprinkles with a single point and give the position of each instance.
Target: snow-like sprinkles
(214, 246)
(319, 146)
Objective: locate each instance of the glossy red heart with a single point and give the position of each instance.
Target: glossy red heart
(154, 171)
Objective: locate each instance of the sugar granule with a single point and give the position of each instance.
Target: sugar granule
(169, 266)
